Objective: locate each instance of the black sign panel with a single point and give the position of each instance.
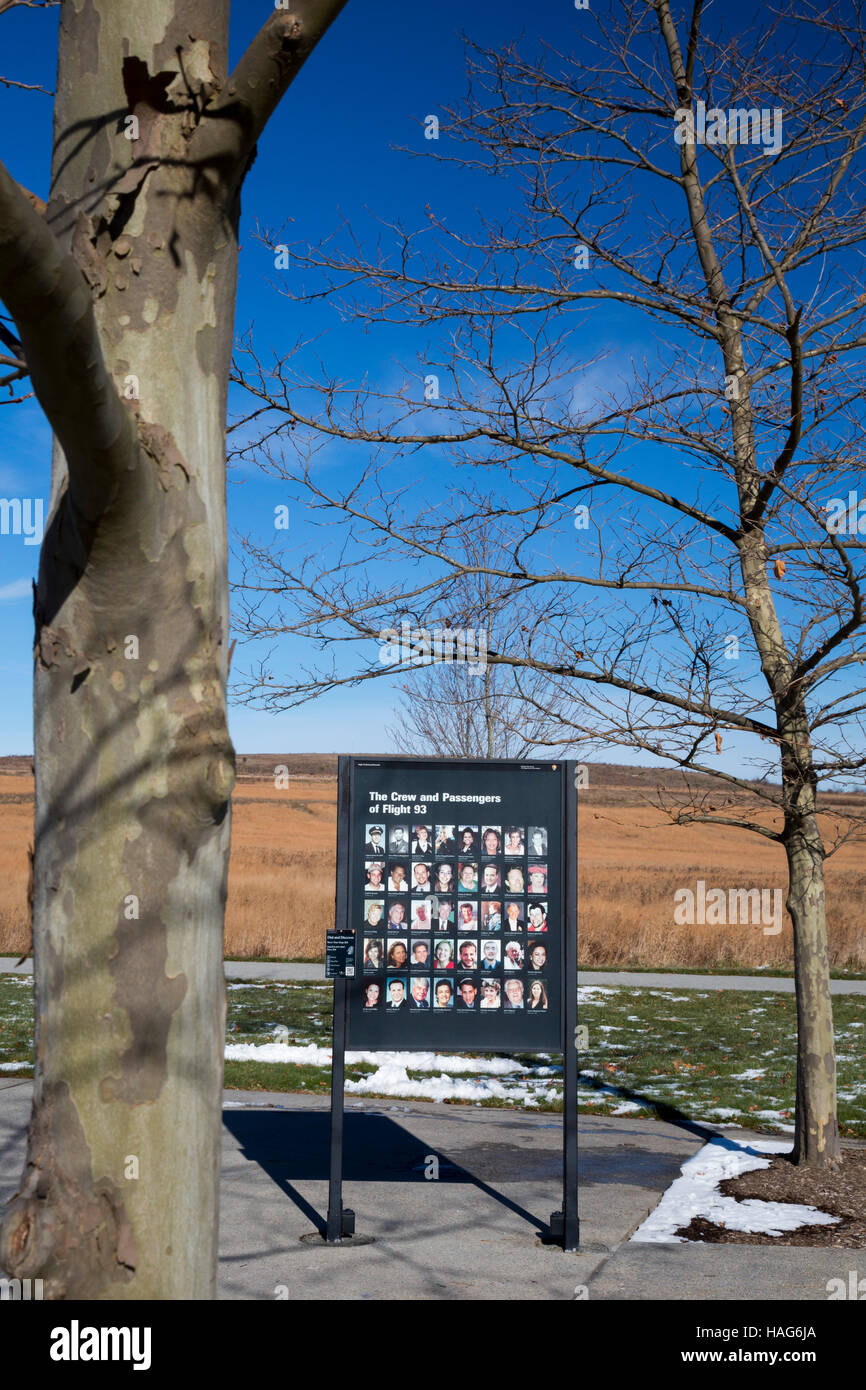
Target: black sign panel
(339, 955)
(456, 897)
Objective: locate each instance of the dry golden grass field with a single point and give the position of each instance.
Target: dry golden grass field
(632, 860)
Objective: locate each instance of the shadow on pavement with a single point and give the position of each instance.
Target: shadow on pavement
(294, 1146)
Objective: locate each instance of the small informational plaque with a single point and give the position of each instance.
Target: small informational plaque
(339, 955)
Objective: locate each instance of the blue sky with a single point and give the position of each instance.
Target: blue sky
(330, 152)
(327, 152)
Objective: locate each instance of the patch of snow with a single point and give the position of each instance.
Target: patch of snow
(313, 1055)
(696, 1193)
(392, 1079)
(775, 1117)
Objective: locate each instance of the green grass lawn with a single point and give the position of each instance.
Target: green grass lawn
(726, 1056)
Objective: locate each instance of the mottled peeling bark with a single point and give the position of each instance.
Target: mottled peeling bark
(816, 1136)
(124, 302)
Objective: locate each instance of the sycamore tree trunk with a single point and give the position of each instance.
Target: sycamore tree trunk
(123, 296)
(816, 1132)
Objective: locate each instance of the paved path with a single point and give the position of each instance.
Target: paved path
(279, 970)
(274, 970)
(471, 1234)
(235, 969)
(768, 983)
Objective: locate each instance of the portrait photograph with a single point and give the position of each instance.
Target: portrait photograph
(398, 839)
(374, 874)
(536, 956)
(398, 876)
(536, 994)
(491, 954)
(491, 880)
(372, 994)
(421, 916)
(396, 998)
(468, 879)
(419, 992)
(374, 842)
(374, 910)
(491, 994)
(467, 839)
(420, 953)
(515, 840)
(443, 994)
(443, 877)
(537, 875)
(491, 915)
(443, 954)
(538, 841)
(467, 993)
(422, 840)
(467, 955)
(397, 916)
(513, 958)
(443, 914)
(536, 915)
(491, 839)
(513, 994)
(514, 915)
(421, 877)
(374, 953)
(446, 840)
(397, 955)
(514, 880)
(467, 917)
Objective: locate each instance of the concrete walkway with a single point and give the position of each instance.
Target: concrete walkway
(235, 969)
(768, 983)
(473, 1231)
(279, 970)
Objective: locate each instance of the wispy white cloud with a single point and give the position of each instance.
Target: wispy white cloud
(19, 588)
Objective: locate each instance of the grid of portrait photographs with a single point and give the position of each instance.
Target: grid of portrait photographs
(455, 917)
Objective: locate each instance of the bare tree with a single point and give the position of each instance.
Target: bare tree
(122, 295)
(449, 711)
(474, 708)
(706, 187)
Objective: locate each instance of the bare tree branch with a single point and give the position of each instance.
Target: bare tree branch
(51, 306)
(235, 118)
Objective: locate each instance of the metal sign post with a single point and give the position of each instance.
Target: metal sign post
(564, 1224)
(341, 1221)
